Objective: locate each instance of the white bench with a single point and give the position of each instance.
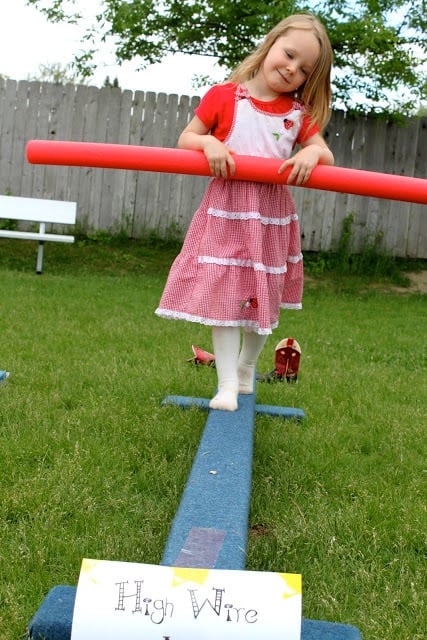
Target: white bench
(40, 211)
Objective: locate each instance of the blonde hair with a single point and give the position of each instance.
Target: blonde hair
(315, 93)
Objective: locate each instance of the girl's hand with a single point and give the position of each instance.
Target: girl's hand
(219, 157)
(302, 164)
(196, 136)
(314, 151)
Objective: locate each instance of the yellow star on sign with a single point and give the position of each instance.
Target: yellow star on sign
(89, 569)
(293, 583)
(183, 574)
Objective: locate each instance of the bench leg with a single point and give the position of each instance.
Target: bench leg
(39, 266)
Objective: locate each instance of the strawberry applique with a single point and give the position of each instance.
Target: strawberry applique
(250, 303)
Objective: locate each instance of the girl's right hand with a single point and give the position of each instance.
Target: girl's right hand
(219, 157)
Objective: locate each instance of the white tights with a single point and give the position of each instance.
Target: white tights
(235, 368)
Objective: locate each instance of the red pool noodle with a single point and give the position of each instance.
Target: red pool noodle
(165, 160)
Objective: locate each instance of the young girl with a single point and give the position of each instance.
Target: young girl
(241, 259)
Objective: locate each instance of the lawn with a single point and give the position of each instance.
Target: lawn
(93, 466)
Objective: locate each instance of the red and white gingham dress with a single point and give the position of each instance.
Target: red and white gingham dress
(241, 259)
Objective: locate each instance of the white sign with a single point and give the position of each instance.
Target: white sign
(134, 601)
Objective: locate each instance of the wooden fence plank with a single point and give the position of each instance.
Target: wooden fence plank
(417, 234)
(131, 177)
(145, 217)
(88, 214)
(18, 139)
(6, 140)
(31, 115)
(61, 128)
(80, 102)
(118, 198)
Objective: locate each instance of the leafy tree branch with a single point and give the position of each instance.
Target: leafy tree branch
(380, 45)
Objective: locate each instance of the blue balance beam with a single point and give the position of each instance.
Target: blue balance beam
(186, 402)
(211, 525)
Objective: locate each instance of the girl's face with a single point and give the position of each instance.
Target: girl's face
(290, 61)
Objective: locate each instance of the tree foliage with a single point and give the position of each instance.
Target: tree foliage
(57, 73)
(380, 46)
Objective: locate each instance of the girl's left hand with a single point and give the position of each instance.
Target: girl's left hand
(302, 164)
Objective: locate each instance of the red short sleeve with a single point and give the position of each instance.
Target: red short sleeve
(308, 129)
(216, 109)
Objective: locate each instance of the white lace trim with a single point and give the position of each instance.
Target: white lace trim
(252, 215)
(297, 306)
(295, 259)
(234, 262)
(250, 324)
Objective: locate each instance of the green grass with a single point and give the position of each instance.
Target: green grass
(92, 466)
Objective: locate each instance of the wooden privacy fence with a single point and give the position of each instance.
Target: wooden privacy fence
(136, 202)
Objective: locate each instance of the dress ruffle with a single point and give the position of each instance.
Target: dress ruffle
(241, 260)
